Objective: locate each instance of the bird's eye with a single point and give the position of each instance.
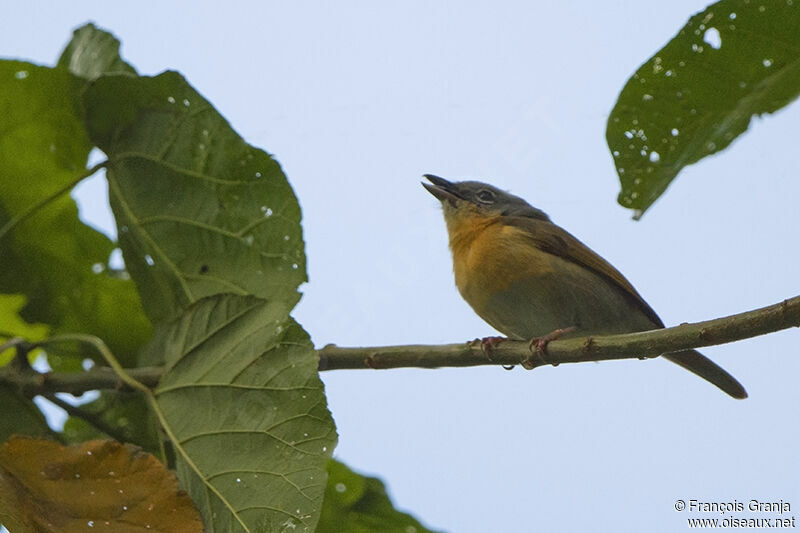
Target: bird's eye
(485, 196)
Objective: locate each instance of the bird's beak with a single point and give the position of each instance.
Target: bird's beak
(441, 188)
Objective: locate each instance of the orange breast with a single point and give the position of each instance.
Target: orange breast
(488, 256)
(525, 292)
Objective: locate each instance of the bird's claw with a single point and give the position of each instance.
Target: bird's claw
(487, 345)
(538, 346)
(538, 349)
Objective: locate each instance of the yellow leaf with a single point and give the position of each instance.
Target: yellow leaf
(101, 485)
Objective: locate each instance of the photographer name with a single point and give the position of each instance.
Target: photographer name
(754, 506)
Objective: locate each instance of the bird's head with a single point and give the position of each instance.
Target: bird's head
(462, 199)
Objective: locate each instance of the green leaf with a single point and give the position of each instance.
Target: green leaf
(11, 325)
(734, 60)
(210, 231)
(199, 211)
(92, 53)
(46, 252)
(359, 504)
(245, 409)
(20, 416)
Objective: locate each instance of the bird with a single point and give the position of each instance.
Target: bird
(531, 279)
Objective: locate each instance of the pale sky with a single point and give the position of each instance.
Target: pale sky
(357, 100)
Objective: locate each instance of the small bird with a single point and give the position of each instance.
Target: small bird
(528, 277)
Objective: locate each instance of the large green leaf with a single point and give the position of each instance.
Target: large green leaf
(359, 504)
(210, 231)
(245, 409)
(199, 211)
(734, 60)
(92, 53)
(46, 252)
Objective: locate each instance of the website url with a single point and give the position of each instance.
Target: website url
(734, 522)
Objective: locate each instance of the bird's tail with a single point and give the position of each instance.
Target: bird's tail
(707, 369)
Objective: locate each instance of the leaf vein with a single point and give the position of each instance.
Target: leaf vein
(184, 440)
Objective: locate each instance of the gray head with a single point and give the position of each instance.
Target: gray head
(482, 196)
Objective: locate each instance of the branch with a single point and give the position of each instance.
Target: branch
(577, 350)
(98, 378)
(629, 346)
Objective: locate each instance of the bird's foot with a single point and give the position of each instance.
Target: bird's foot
(538, 346)
(488, 344)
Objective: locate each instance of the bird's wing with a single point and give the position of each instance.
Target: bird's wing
(554, 240)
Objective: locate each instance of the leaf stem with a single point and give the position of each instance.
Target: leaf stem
(101, 348)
